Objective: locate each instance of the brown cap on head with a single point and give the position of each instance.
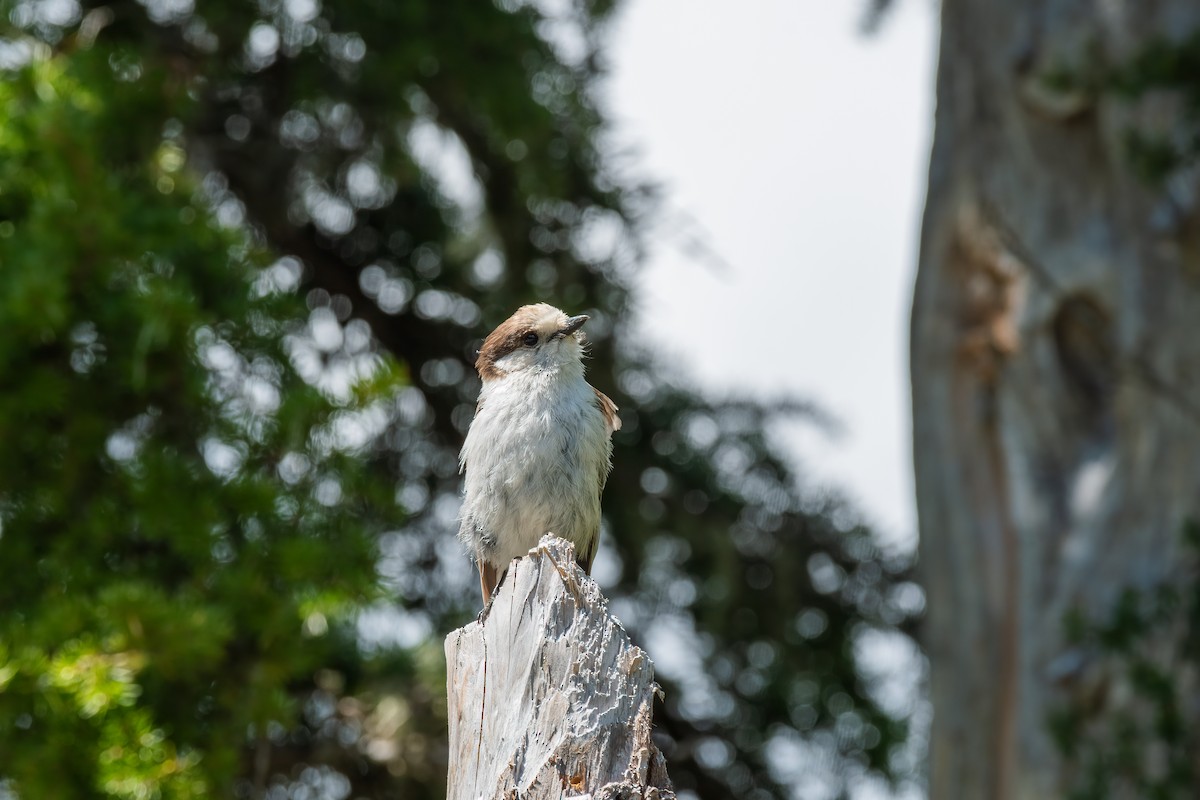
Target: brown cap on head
(529, 326)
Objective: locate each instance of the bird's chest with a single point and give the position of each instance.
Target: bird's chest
(535, 462)
(533, 444)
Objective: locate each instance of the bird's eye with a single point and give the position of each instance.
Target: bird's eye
(530, 339)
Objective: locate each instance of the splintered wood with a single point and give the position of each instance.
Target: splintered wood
(548, 698)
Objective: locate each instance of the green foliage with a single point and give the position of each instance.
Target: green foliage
(210, 587)
(1126, 730)
(156, 566)
(1163, 66)
(1161, 69)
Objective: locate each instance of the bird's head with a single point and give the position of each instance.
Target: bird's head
(534, 338)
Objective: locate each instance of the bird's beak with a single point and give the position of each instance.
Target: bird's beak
(573, 324)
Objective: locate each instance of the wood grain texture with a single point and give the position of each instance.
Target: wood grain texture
(548, 697)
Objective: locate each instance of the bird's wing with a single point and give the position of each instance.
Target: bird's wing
(608, 409)
(612, 423)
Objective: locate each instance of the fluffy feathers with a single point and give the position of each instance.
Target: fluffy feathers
(539, 449)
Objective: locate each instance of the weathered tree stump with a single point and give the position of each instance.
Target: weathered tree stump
(548, 698)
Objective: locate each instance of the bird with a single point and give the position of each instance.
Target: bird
(539, 449)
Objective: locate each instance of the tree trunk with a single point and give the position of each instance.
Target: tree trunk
(547, 696)
(1055, 366)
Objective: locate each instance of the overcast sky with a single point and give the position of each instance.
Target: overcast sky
(798, 147)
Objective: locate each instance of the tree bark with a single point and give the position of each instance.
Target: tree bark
(547, 696)
(1055, 366)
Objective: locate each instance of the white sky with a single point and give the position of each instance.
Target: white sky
(798, 147)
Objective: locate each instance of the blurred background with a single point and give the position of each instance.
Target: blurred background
(791, 203)
(249, 251)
